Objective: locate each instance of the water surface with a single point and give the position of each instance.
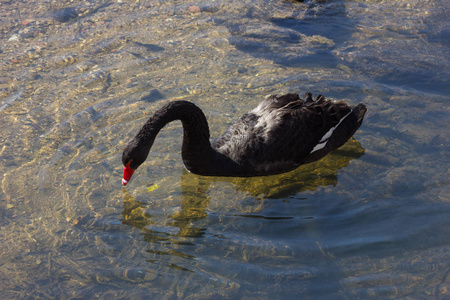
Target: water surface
(78, 79)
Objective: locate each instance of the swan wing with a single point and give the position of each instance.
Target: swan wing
(284, 132)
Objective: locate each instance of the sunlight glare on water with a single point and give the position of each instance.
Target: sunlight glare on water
(79, 78)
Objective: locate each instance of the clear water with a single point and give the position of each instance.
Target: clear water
(79, 78)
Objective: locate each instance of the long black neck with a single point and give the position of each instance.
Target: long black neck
(198, 155)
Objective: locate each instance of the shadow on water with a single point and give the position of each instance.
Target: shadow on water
(196, 197)
(320, 34)
(292, 33)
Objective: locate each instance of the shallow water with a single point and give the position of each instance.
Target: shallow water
(79, 78)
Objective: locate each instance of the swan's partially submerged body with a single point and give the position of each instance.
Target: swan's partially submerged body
(279, 135)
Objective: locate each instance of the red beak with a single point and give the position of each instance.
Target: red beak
(127, 173)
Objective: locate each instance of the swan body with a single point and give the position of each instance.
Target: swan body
(280, 134)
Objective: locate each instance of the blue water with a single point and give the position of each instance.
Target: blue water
(78, 80)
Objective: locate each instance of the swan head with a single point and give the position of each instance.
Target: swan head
(132, 157)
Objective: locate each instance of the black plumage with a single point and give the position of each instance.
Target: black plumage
(279, 135)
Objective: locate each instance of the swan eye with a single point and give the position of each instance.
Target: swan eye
(129, 165)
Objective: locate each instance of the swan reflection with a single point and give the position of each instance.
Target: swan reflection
(198, 191)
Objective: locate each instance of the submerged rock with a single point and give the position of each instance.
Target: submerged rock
(65, 15)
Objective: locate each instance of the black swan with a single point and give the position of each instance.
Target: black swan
(279, 135)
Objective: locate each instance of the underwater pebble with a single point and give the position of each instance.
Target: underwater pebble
(15, 37)
(443, 290)
(194, 8)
